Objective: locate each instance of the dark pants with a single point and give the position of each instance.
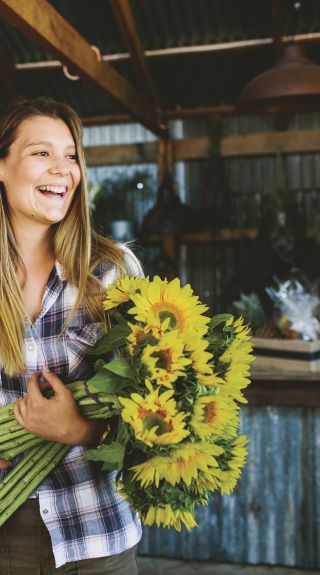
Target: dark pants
(25, 549)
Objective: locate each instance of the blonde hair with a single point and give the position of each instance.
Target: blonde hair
(77, 247)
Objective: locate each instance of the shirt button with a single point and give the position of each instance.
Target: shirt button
(31, 347)
(45, 511)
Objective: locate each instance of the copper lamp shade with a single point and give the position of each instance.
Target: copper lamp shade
(293, 84)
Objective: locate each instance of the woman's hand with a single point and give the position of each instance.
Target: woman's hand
(57, 418)
(4, 464)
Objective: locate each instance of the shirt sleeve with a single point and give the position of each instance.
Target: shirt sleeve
(132, 264)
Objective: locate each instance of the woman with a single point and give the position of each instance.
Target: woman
(52, 270)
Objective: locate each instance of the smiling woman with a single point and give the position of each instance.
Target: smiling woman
(40, 176)
(53, 267)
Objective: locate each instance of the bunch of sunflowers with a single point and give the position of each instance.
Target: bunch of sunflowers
(176, 388)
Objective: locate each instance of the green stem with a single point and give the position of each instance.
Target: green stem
(12, 435)
(11, 453)
(18, 496)
(6, 414)
(10, 425)
(29, 460)
(19, 441)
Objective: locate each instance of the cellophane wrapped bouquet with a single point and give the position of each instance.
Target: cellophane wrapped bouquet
(172, 392)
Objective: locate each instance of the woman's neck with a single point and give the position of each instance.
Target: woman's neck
(35, 245)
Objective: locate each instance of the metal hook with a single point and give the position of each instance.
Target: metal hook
(74, 77)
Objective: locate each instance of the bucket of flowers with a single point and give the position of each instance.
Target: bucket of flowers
(174, 383)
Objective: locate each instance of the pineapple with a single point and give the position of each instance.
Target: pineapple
(250, 307)
(267, 330)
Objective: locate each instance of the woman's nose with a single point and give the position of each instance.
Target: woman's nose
(59, 170)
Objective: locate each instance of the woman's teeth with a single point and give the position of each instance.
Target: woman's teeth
(52, 190)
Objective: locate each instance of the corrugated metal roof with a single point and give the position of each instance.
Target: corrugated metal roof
(200, 79)
(166, 23)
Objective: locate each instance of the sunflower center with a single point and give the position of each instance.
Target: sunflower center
(210, 412)
(164, 359)
(156, 419)
(167, 310)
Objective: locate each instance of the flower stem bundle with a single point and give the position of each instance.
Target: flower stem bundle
(40, 456)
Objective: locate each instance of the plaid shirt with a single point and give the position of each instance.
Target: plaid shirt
(84, 515)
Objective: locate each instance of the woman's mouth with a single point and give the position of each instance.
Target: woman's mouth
(53, 191)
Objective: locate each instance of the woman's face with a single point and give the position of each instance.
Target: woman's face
(40, 173)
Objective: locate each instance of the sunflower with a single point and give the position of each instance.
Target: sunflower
(239, 357)
(208, 481)
(214, 415)
(198, 354)
(169, 517)
(154, 418)
(242, 331)
(234, 460)
(165, 360)
(159, 300)
(140, 334)
(184, 464)
(210, 379)
(121, 291)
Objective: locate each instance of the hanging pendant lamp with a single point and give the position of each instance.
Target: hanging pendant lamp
(293, 84)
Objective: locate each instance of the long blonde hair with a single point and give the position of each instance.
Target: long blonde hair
(77, 247)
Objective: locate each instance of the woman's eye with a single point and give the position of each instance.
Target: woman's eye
(73, 157)
(42, 154)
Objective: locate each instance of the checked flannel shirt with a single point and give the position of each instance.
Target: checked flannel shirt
(84, 515)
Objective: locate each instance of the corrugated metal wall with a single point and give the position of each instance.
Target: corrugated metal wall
(274, 515)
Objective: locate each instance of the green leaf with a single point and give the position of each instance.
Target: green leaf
(111, 455)
(117, 317)
(108, 382)
(121, 367)
(219, 319)
(111, 340)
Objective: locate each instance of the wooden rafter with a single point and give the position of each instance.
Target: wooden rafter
(38, 20)
(130, 34)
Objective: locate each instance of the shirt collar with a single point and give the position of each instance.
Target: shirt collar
(60, 272)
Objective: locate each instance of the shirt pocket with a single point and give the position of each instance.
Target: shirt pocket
(78, 341)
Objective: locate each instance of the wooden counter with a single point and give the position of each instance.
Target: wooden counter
(284, 388)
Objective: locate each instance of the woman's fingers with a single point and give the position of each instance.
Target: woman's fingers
(4, 464)
(19, 410)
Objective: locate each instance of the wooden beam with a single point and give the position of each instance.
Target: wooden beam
(130, 34)
(165, 159)
(121, 154)
(269, 143)
(38, 20)
(179, 113)
(260, 144)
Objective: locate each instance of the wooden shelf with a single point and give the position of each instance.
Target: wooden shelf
(289, 376)
(284, 388)
(227, 234)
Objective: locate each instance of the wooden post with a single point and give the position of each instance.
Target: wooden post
(165, 159)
